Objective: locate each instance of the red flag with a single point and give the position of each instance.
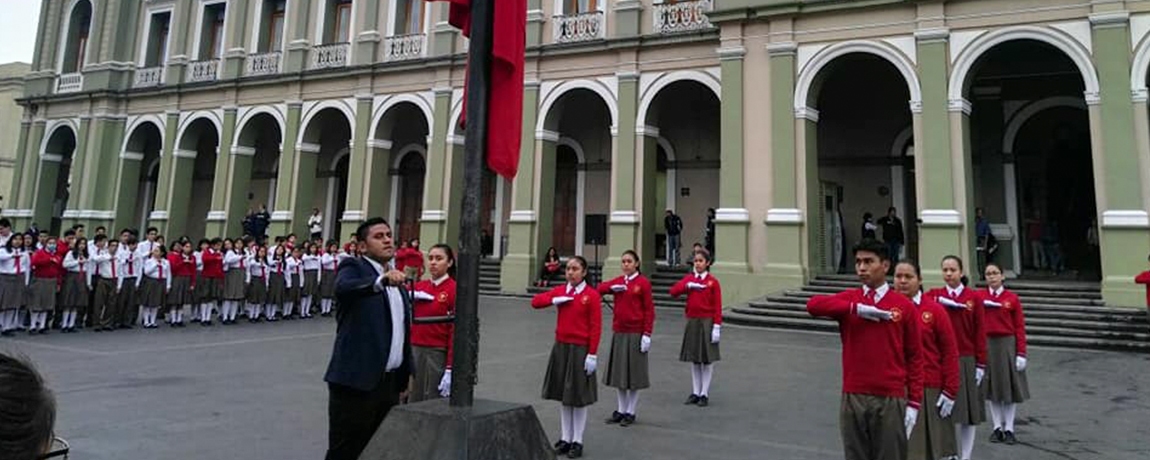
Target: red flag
(505, 103)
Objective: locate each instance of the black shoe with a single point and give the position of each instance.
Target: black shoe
(562, 447)
(628, 420)
(576, 450)
(694, 399)
(616, 417)
(997, 436)
(125, 326)
(1009, 438)
(209, 323)
(703, 401)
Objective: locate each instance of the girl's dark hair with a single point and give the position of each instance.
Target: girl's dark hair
(992, 264)
(450, 256)
(914, 265)
(706, 256)
(634, 255)
(582, 262)
(27, 410)
(964, 280)
(8, 244)
(80, 247)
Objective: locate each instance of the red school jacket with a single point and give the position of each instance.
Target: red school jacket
(47, 265)
(1144, 278)
(580, 320)
(969, 324)
(634, 307)
(939, 349)
(879, 358)
(1006, 320)
(435, 335)
(213, 264)
(707, 303)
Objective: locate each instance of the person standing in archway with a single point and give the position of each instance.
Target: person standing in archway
(315, 225)
(674, 226)
(892, 233)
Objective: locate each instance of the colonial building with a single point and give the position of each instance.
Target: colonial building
(11, 88)
(790, 118)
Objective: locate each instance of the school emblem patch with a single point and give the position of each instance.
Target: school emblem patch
(442, 297)
(586, 300)
(927, 317)
(710, 283)
(1006, 305)
(896, 314)
(636, 290)
(970, 305)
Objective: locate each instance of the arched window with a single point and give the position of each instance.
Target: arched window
(76, 40)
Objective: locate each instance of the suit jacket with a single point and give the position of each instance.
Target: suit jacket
(363, 330)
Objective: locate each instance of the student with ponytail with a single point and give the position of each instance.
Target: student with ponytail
(632, 325)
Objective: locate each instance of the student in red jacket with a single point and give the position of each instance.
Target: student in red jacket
(211, 281)
(1006, 355)
(1144, 278)
(47, 272)
(632, 324)
(704, 320)
(413, 266)
(431, 343)
(181, 296)
(570, 375)
(933, 434)
(966, 317)
(882, 361)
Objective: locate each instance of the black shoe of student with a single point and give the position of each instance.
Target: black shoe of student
(576, 450)
(195, 320)
(125, 326)
(703, 401)
(616, 417)
(997, 436)
(694, 399)
(562, 447)
(1009, 438)
(209, 323)
(628, 420)
(44, 331)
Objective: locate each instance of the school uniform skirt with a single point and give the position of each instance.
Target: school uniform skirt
(181, 293)
(429, 366)
(257, 292)
(277, 289)
(327, 284)
(74, 292)
(151, 293)
(969, 405)
(41, 295)
(566, 381)
(293, 293)
(933, 436)
(1004, 384)
(697, 346)
(627, 369)
(11, 291)
(234, 284)
(310, 283)
(209, 290)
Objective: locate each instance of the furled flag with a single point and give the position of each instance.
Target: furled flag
(505, 102)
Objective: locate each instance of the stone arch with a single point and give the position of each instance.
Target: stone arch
(342, 106)
(812, 70)
(1060, 40)
(1014, 126)
(396, 100)
(54, 126)
(156, 120)
(651, 92)
(1140, 68)
(272, 111)
(67, 28)
(191, 118)
(547, 121)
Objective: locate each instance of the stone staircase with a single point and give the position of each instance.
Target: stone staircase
(1057, 314)
(489, 283)
(661, 282)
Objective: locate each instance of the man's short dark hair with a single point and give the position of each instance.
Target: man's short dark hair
(99, 238)
(361, 231)
(102, 228)
(78, 227)
(4, 222)
(151, 229)
(68, 233)
(28, 412)
(873, 246)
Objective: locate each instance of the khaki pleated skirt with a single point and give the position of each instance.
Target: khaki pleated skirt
(42, 295)
(969, 405)
(74, 292)
(12, 291)
(257, 292)
(429, 367)
(327, 284)
(277, 289)
(1004, 384)
(310, 283)
(209, 290)
(697, 346)
(151, 292)
(234, 284)
(627, 369)
(181, 293)
(566, 381)
(933, 436)
(293, 293)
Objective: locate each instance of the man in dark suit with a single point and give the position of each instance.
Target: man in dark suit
(371, 361)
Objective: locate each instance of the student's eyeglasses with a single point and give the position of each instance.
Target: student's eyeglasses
(59, 449)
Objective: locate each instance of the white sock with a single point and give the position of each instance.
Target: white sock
(696, 379)
(578, 424)
(565, 422)
(4, 315)
(325, 305)
(621, 399)
(1008, 415)
(965, 435)
(632, 401)
(708, 371)
(995, 414)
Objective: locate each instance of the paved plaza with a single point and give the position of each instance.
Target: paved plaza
(256, 392)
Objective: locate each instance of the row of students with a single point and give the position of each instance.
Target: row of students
(570, 377)
(951, 352)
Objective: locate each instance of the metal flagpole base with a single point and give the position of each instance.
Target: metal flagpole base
(433, 430)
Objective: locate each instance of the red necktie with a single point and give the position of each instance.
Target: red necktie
(241, 263)
(130, 271)
(870, 295)
(17, 264)
(113, 268)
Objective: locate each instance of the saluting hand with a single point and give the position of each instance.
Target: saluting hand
(420, 295)
(695, 286)
(618, 288)
(991, 303)
(560, 300)
(872, 313)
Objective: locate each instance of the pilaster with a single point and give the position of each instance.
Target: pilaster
(624, 222)
(107, 139)
(298, 37)
(785, 221)
(443, 36)
(159, 216)
(362, 170)
(226, 182)
(13, 193)
(535, 20)
(439, 184)
(520, 263)
(235, 50)
(285, 176)
(29, 172)
(628, 19)
(239, 182)
(368, 41)
(181, 33)
(732, 220)
(126, 187)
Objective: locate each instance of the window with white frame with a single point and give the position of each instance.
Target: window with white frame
(573, 7)
(337, 21)
(156, 48)
(76, 37)
(410, 17)
(272, 26)
(212, 31)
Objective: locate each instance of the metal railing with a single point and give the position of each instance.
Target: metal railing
(149, 77)
(262, 64)
(201, 71)
(578, 27)
(404, 47)
(69, 82)
(682, 16)
(330, 56)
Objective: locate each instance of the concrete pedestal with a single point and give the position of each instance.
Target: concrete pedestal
(432, 430)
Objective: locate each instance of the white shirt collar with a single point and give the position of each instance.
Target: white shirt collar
(578, 289)
(701, 276)
(917, 298)
(955, 292)
(878, 292)
(376, 265)
(628, 279)
(440, 280)
(997, 292)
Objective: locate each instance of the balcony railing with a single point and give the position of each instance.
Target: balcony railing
(69, 83)
(201, 71)
(404, 47)
(682, 16)
(262, 64)
(578, 27)
(330, 56)
(149, 77)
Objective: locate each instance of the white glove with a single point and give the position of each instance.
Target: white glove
(991, 303)
(557, 301)
(950, 303)
(645, 344)
(618, 288)
(945, 406)
(871, 313)
(420, 295)
(979, 373)
(590, 363)
(1020, 363)
(715, 333)
(445, 384)
(911, 418)
(695, 286)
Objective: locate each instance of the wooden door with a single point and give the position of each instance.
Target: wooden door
(411, 172)
(566, 194)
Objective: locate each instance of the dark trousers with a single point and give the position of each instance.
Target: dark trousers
(872, 427)
(128, 303)
(354, 415)
(106, 305)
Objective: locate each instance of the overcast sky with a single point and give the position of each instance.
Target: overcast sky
(18, 21)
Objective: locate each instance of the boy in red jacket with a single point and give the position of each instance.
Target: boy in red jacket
(1144, 278)
(882, 365)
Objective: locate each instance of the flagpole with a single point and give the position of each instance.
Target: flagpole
(466, 345)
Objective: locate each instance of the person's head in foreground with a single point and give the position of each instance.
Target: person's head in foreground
(27, 410)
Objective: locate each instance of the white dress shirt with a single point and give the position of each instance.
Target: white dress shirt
(398, 323)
